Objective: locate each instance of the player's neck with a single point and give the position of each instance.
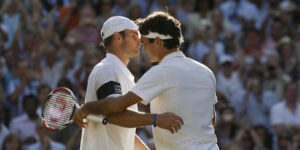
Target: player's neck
(166, 52)
(124, 59)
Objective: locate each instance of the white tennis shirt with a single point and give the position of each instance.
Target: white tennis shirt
(110, 77)
(187, 88)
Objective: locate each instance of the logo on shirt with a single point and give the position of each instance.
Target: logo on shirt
(118, 89)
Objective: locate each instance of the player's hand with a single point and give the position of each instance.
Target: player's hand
(169, 121)
(79, 116)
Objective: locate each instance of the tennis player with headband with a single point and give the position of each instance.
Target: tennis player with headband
(177, 84)
(111, 78)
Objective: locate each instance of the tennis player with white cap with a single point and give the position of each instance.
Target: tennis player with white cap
(177, 84)
(111, 78)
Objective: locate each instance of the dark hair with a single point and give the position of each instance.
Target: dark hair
(199, 4)
(107, 42)
(26, 98)
(222, 110)
(9, 138)
(163, 23)
(256, 73)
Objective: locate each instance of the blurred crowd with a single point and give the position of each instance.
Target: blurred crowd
(252, 46)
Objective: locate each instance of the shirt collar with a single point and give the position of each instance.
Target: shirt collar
(171, 56)
(116, 61)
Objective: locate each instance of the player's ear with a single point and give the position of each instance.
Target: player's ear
(117, 36)
(157, 41)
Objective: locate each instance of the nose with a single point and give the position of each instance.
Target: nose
(139, 42)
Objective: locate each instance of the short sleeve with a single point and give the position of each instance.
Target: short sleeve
(102, 83)
(151, 84)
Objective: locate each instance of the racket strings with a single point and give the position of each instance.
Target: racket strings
(58, 110)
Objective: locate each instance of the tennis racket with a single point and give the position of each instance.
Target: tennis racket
(59, 108)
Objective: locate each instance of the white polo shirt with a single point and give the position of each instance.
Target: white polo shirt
(187, 88)
(110, 77)
(281, 114)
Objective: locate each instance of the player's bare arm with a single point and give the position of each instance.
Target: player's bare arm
(130, 119)
(115, 110)
(107, 106)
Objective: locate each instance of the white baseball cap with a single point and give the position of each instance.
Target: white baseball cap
(116, 24)
(226, 58)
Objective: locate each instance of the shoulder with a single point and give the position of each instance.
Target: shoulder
(19, 119)
(103, 70)
(201, 67)
(279, 106)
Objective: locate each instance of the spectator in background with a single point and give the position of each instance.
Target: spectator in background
(106, 12)
(43, 92)
(24, 125)
(52, 68)
(8, 68)
(204, 42)
(244, 137)
(226, 127)
(258, 101)
(248, 137)
(3, 129)
(286, 114)
(273, 78)
(229, 82)
(3, 37)
(287, 10)
(13, 15)
(44, 141)
(74, 141)
(12, 142)
(289, 59)
(235, 146)
(35, 15)
(135, 12)
(23, 83)
(87, 28)
(264, 136)
(273, 37)
(120, 8)
(69, 16)
(285, 141)
(201, 12)
(221, 26)
(252, 49)
(91, 61)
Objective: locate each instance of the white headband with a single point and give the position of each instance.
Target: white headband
(153, 35)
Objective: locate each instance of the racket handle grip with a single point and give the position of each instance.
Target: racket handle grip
(98, 119)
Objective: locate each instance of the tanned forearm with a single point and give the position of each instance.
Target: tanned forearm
(112, 105)
(131, 119)
(104, 107)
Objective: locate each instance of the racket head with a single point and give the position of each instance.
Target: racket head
(58, 109)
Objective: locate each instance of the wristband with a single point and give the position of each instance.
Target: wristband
(154, 120)
(104, 121)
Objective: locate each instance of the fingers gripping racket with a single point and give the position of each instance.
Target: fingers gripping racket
(59, 108)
